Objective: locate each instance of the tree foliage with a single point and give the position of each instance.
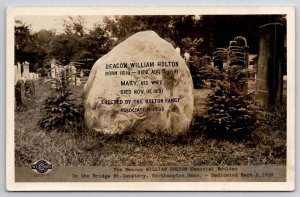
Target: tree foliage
(76, 42)
(23, 40)
(60, 112)
(231, 113)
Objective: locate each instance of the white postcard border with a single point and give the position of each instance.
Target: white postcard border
(289, 185)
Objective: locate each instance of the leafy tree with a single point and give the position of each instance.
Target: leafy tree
(23, 42)
(76, 43)
(122, 27)
(174, 28)
(97, 42)
(75, 25)
(64, 46)
(218, 30)
(31, 47)
(42, 41)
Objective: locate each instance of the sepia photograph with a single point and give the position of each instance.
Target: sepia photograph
(159, 98)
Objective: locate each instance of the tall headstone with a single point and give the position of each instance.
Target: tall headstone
(186, 56)
(53, 68)
(73, 74)
(26, 70)
(270, 61)
(238, 55)
(20, 93)
(19, 70)
(57, 71)
(62, 75)
(16, 76)
(81, 73)
(220, 56)
(141, 85)
(68, 72)
(78, 81)
(240, 51)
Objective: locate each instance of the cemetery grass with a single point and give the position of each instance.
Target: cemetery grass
(86, 148)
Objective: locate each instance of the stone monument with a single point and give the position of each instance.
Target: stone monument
(141, 85)
(20, 93)
(238, 55)
(53, 69)
(16, 76)
(270, 63)
(19, 70)
(26, 70)
(73, 74)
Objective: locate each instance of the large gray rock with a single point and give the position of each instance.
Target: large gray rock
(169, 111)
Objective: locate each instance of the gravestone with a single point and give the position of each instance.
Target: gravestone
(238, 55)
(141, 85)
(35, 76)
(77, 81)
(26, 70)
(20, 93)
(81, 73)
(31, 76)
(16, 76)
(219, 58)
(73, 74)
(19, 70)
(186, 57)
(270, 63)
(62, 75)
(53, 69)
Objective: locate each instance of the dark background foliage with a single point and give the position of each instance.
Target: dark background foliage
(77, 43)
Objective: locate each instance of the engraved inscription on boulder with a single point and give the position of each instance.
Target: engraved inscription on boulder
(142, 85)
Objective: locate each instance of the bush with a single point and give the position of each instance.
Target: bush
(60, 110)
(60, 113)
(201, 70)
(42, 72)
(199, 65)
(231, 113)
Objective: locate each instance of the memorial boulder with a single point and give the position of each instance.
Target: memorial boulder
(141, 85)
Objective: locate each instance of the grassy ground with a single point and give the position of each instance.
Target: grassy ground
(91, 149)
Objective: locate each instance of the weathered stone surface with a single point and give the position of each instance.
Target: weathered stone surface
(26, 70)
(20, 93)
(73, 74)
(19, 70)
(174, 118)
(16, 76)
(270, 62)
